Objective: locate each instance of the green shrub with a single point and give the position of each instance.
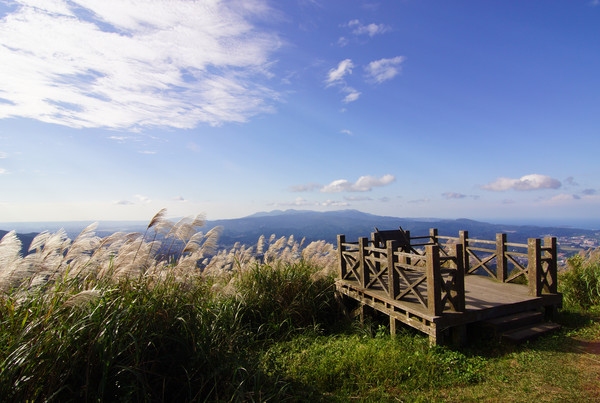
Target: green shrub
(580, 283)
(283, 298)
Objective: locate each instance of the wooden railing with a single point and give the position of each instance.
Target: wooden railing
(429, 270)
(429, 279)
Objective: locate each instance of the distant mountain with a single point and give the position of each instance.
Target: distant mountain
(314, 225)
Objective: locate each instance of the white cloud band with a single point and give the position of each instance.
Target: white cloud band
(124, 64)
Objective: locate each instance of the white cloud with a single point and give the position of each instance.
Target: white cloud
(147, 152)
(142, 199)
(357, 198)
(334, 203)
(308, 187)
(453, 195)
(126, 64)
(342, 41)
(123, 203)
(3, 171)
(564, 197)
(369, 29)
(337, 74)
(363, 184)
(527, 182)
(298, 202)
(346, 131)
(419, 201)
(3, 155)
(384, 69)
(352, 95)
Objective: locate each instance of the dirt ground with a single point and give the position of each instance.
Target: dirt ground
(589, 363)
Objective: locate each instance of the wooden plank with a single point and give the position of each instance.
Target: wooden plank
(471, 240)
(516, 245)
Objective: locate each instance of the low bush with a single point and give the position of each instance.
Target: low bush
(580, 283)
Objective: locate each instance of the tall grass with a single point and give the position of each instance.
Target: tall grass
(140, 317)
(580, 283)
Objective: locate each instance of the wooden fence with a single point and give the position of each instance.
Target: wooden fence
(425, 271)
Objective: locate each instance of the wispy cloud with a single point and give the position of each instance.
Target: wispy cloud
(337, 74)
(357, 198)
(346, 131)
(148, 152)
(299, 201)
(3, 171)
(419, 201)
(127, 64)
(352, 95)
(527, 182)
(3, 155)
(571, 181)
(363, 184)
(179, 198)
(309, 187)
(371, 29)
(143, 199)
(333, 203)
(454, 195)
(124, 203)
(384, 69)
(561, 199)
(589, 192)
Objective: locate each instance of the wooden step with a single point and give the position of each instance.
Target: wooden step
(513, 321)
(529, 332)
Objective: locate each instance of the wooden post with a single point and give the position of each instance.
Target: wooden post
(463, 238)
(363, 271)
(459, 279)
(501, 260)
(393, 278)
(433, 235)
(534, 251)
(341, 239)
(434, 278)
(406, 248)
(551, 276)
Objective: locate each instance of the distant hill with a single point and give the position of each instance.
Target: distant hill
(314, 225)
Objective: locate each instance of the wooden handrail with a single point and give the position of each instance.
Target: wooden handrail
(402, 272)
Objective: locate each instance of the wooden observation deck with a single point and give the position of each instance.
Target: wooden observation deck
(440, 284)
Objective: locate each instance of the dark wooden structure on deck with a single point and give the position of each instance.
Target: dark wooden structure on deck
(440, 284)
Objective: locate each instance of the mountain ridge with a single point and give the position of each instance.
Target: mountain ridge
(316, 225)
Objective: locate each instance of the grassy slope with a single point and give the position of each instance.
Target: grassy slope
(378, 368)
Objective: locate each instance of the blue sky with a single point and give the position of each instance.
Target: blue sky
(113, 109)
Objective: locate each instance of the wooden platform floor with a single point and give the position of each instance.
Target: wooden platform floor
(485, 298)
